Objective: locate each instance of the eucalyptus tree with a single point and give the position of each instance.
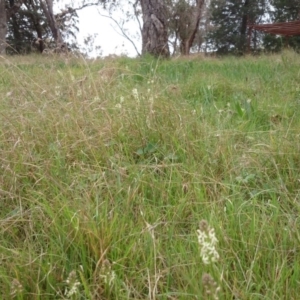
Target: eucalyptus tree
(184, 22)
(154, 30)
(27, 23)
(160, 23)
(163, 23)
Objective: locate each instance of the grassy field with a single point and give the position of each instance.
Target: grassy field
(146, 179)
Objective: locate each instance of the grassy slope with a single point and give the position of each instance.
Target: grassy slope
(106, 185)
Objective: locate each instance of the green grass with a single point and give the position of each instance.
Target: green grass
(108, 167)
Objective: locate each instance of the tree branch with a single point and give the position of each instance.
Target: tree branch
(123, 32)
(84, 5)
(136, 14)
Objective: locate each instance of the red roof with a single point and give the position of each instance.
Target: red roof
(284, 28)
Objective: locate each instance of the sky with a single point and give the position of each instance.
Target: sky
(108, 35)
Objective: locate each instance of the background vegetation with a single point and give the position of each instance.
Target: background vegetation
(230, 19)
(109, 168)
(180, 26)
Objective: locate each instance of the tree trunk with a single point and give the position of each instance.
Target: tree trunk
(154, 31)
(3, 27)
(189, 23)
(47, 6)
(242, 44)
(39, 42)
(16, 34)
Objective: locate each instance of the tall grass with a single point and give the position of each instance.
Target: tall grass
(148, 179)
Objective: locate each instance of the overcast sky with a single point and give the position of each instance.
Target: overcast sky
(108, 34)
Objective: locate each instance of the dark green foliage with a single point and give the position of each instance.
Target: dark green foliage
(230, 19)
(284, 11)
(29, 31)
(25, 27)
